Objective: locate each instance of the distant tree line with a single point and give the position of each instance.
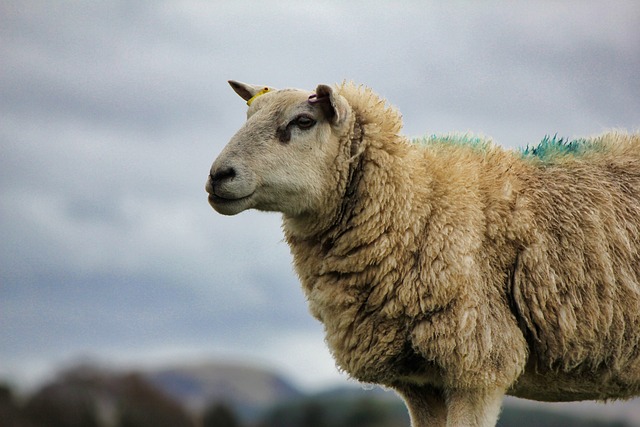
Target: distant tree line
(87, 397)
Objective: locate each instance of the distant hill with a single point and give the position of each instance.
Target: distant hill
(249, 389)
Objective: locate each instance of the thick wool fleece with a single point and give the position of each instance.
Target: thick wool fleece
(576, 282)
(467, 266)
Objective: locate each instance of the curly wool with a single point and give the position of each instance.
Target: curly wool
(475, 267)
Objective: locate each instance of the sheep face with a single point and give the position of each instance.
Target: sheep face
(282, 158)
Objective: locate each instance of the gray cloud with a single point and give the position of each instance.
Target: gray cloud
(112, 112)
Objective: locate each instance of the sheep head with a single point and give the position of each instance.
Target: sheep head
(283, 157)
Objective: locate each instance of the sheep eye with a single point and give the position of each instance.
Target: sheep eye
(304, 122)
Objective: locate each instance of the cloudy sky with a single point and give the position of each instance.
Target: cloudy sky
(112, 112)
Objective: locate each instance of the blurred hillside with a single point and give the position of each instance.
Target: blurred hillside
(249, 390)
(232, 395)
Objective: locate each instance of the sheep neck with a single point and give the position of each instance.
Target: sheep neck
(354, 175)
(315, 227)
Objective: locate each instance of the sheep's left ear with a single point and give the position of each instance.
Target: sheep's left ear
(248, 92)
(334, 106)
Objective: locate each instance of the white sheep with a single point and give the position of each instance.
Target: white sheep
(452, 271)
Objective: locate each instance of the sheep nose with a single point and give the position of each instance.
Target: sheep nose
(223, 174)
(220, 179)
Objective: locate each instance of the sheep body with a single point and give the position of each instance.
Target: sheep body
(576, 282)
(455, 271)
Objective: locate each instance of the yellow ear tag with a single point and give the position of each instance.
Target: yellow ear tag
(262, 92)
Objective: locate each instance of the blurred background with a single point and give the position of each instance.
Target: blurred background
(116, 275)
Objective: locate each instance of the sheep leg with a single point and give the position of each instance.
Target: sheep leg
(477, 408)
(426, 404)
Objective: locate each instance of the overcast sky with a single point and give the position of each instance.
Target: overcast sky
(111, 114)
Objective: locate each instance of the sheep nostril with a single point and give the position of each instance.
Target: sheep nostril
(223, 174)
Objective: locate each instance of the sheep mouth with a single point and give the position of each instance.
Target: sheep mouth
(215, 199)
(228, 202)
(227, 205)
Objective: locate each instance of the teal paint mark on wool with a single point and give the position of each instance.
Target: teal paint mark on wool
(553, 147)
(454, 139)
(548, 150)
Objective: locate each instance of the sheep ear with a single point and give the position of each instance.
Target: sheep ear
(334, 106)
(247, 91)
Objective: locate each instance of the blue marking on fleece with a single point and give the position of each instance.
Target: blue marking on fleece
(455, 139)
(547, 150)
(553, 147)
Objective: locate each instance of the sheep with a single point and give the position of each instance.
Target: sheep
(448, 269)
